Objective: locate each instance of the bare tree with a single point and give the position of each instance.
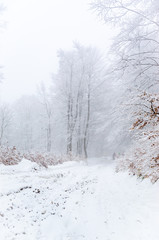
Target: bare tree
(137, 44)
(135, 60)
(77, 78)
(46, 101)
(5, 121)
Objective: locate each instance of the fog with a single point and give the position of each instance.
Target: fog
(79, 119)
(76, 75)
(34, 32)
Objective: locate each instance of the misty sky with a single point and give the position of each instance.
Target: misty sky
(35, 30)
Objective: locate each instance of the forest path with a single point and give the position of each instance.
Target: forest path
(75, 201)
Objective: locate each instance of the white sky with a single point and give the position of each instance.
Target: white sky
(35, 30)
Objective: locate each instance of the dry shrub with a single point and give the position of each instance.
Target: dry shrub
(10, 156)
(142, 161)
(48, 159)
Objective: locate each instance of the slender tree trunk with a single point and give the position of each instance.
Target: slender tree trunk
(69, 126)
(87, 124)
(79, 138)
(2, 131)
(70, 116)
(49, 137)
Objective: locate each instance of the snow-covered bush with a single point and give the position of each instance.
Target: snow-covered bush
(10, 156)
(143, 157)
(143, 161)
(47, 159)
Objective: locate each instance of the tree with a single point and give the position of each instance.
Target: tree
(5, 121)
(78, 76)
(46, 101)
(136, 49)
(26, 131)
(137, 43)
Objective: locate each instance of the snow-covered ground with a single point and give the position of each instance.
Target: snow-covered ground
(76, 201)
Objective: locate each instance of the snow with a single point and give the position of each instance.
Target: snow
(76, 201)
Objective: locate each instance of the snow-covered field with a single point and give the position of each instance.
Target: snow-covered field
(76, 201)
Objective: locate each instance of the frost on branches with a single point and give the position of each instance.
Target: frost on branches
(143, 158)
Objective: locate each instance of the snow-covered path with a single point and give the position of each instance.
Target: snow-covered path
(75, 201)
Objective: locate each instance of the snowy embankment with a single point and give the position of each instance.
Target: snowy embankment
(75, 201)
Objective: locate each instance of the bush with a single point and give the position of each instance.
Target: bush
(142, 161)
(10, 156)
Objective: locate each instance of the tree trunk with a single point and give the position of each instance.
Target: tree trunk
(87, 123)
(49, 137)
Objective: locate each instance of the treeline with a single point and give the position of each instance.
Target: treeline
(135, 50)
(69, 116)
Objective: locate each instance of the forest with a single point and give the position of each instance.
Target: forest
(91, 136)
(97, 104)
